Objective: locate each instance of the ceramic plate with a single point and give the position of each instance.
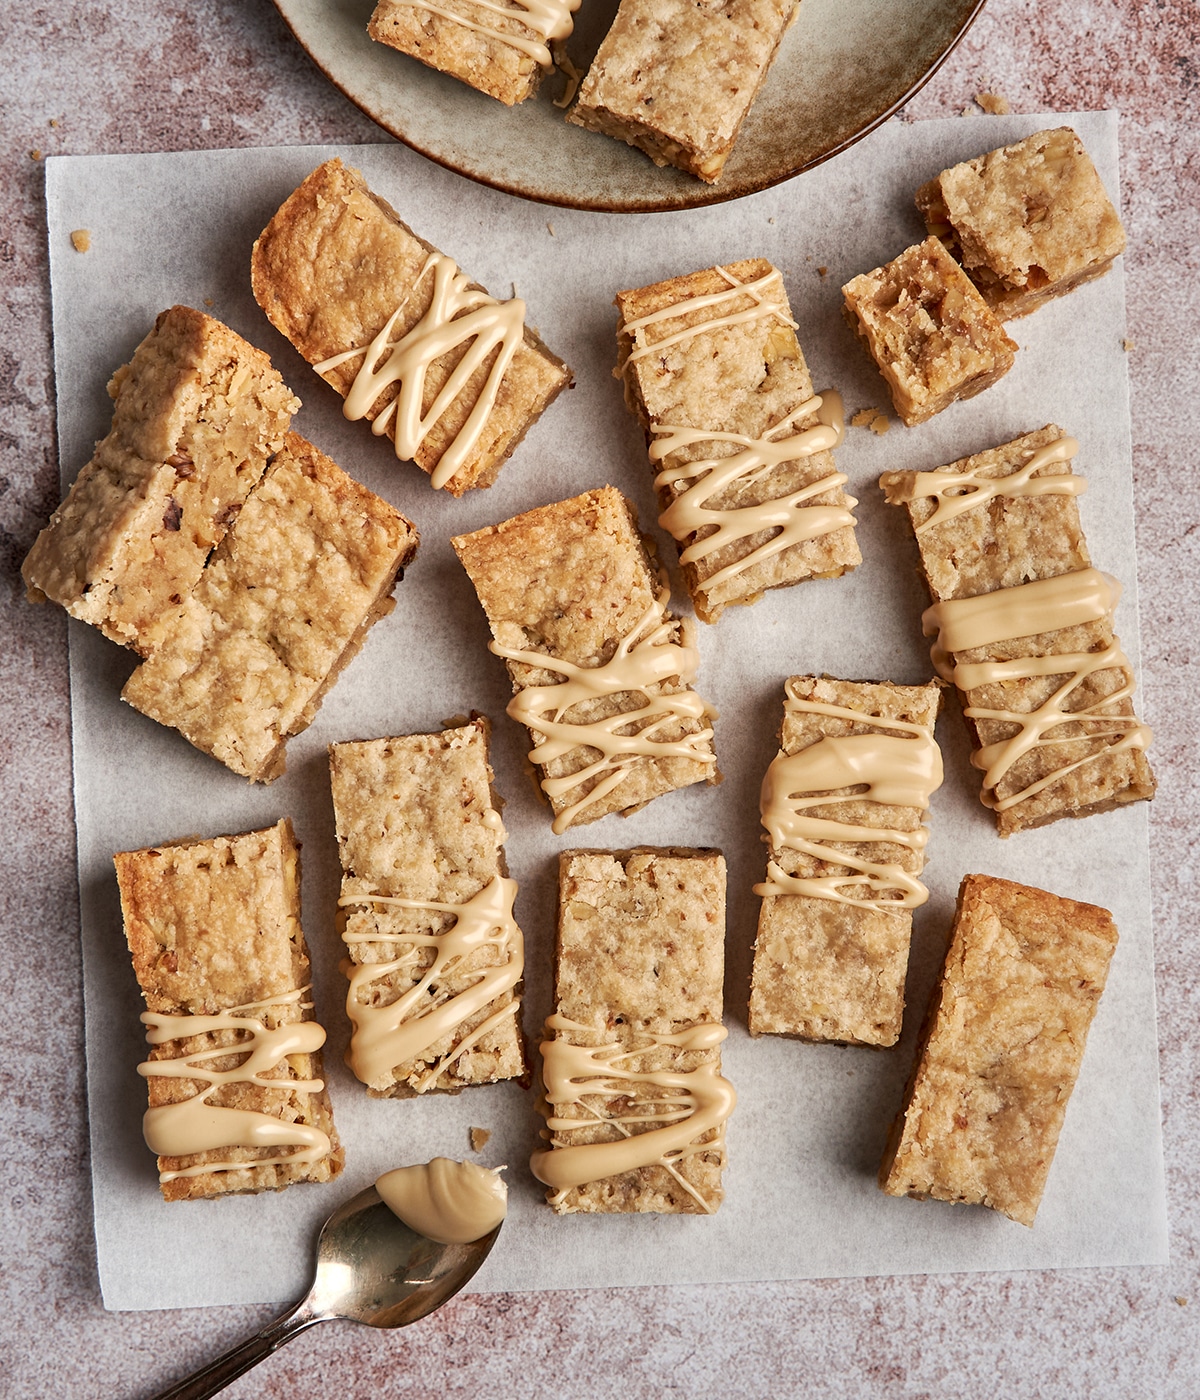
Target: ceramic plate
(843, 67)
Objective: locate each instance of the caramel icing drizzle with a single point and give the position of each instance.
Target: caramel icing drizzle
(896, 769)
(457, 314)
(393, 1034)
(752, 459)
(549, 20)
(690, 1106)
(194, 1125)
(759, 292)
(1028, 610)
(957, 492)
(644, 658)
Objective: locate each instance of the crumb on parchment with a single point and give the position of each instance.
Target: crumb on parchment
(993, 104)
(1128, 343)
(480, 1138)
(872, 418)
(81, 239)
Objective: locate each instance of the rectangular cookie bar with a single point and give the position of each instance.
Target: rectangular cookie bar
(197, 413)
(1001, 1048)
(1003, 552)
(676, 79)
(843, 869)
(502, 50)
(724, 402)
(1028, 222)
(931, 335)
(214, 931)
(435, 954)
(367, 303)
(577, 612)
(284, 604)
(633, 1094)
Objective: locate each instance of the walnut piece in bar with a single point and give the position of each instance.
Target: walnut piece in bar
(842, 877)
(214, 931)
(676, 79)
(197, 413)
(1001, 1048)
(601, 672)
(930, 333)
(633, 1094)
(282, 607)
(435, 954)
(1027, 222)
(1025, 631)
(745, 478)
(452, 376)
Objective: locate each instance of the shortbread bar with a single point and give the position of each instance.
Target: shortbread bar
(214, 930)
(633, 1095)
(283, 605)
(676, 79)
(842, 880)
(1001, 1048)
(578, 614)
(197, 413)
(1028, 222)
(724, 402)
(931, 335)
(1000, 532)
(368, 304)
(426, 901)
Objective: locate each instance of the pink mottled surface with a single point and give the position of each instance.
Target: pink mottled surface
(160, 76)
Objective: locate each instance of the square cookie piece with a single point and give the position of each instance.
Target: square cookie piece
(745, 478)
(676, 79)
(197, 414)
(601, 671)
(930, 333)
(844, 864)
(454, 377)
(214, 931)
(1028, 222)
(633, 1095)
(282, 607)
(435, 953)
(1001, 1049)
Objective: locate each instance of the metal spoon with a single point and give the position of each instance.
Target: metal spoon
(370, 1268)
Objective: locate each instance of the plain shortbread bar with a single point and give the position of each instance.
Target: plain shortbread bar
(197, 413)
(416, 818)
(212, 926)
(1001, 1050)
(281, 608)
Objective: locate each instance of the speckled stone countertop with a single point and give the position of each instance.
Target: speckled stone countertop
(166, 76)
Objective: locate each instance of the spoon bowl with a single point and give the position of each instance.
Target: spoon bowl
(371, 1268)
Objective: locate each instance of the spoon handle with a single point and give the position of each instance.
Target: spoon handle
(239, 1359)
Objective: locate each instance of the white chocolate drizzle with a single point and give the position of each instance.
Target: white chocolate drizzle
(957, 492)
(1027, 610)
(393, 1034)
(793, 521)
(644, 658)
(690, 1106)
(457, 313)
(549, 20)
(194, 1125)
(759, 291)
(896, 769)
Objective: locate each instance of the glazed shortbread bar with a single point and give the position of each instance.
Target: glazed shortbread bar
(740, 445)
(601, 671)
(435, 954)
(843, 805)
(1024, 629)
(1001, 1048)
(1028, 222)
(197, 413)
(214, 930)
(454, 377)
(284, 604)
(633, 1094)
(676, 79)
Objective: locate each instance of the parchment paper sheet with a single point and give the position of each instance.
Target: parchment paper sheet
(805, 1141)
